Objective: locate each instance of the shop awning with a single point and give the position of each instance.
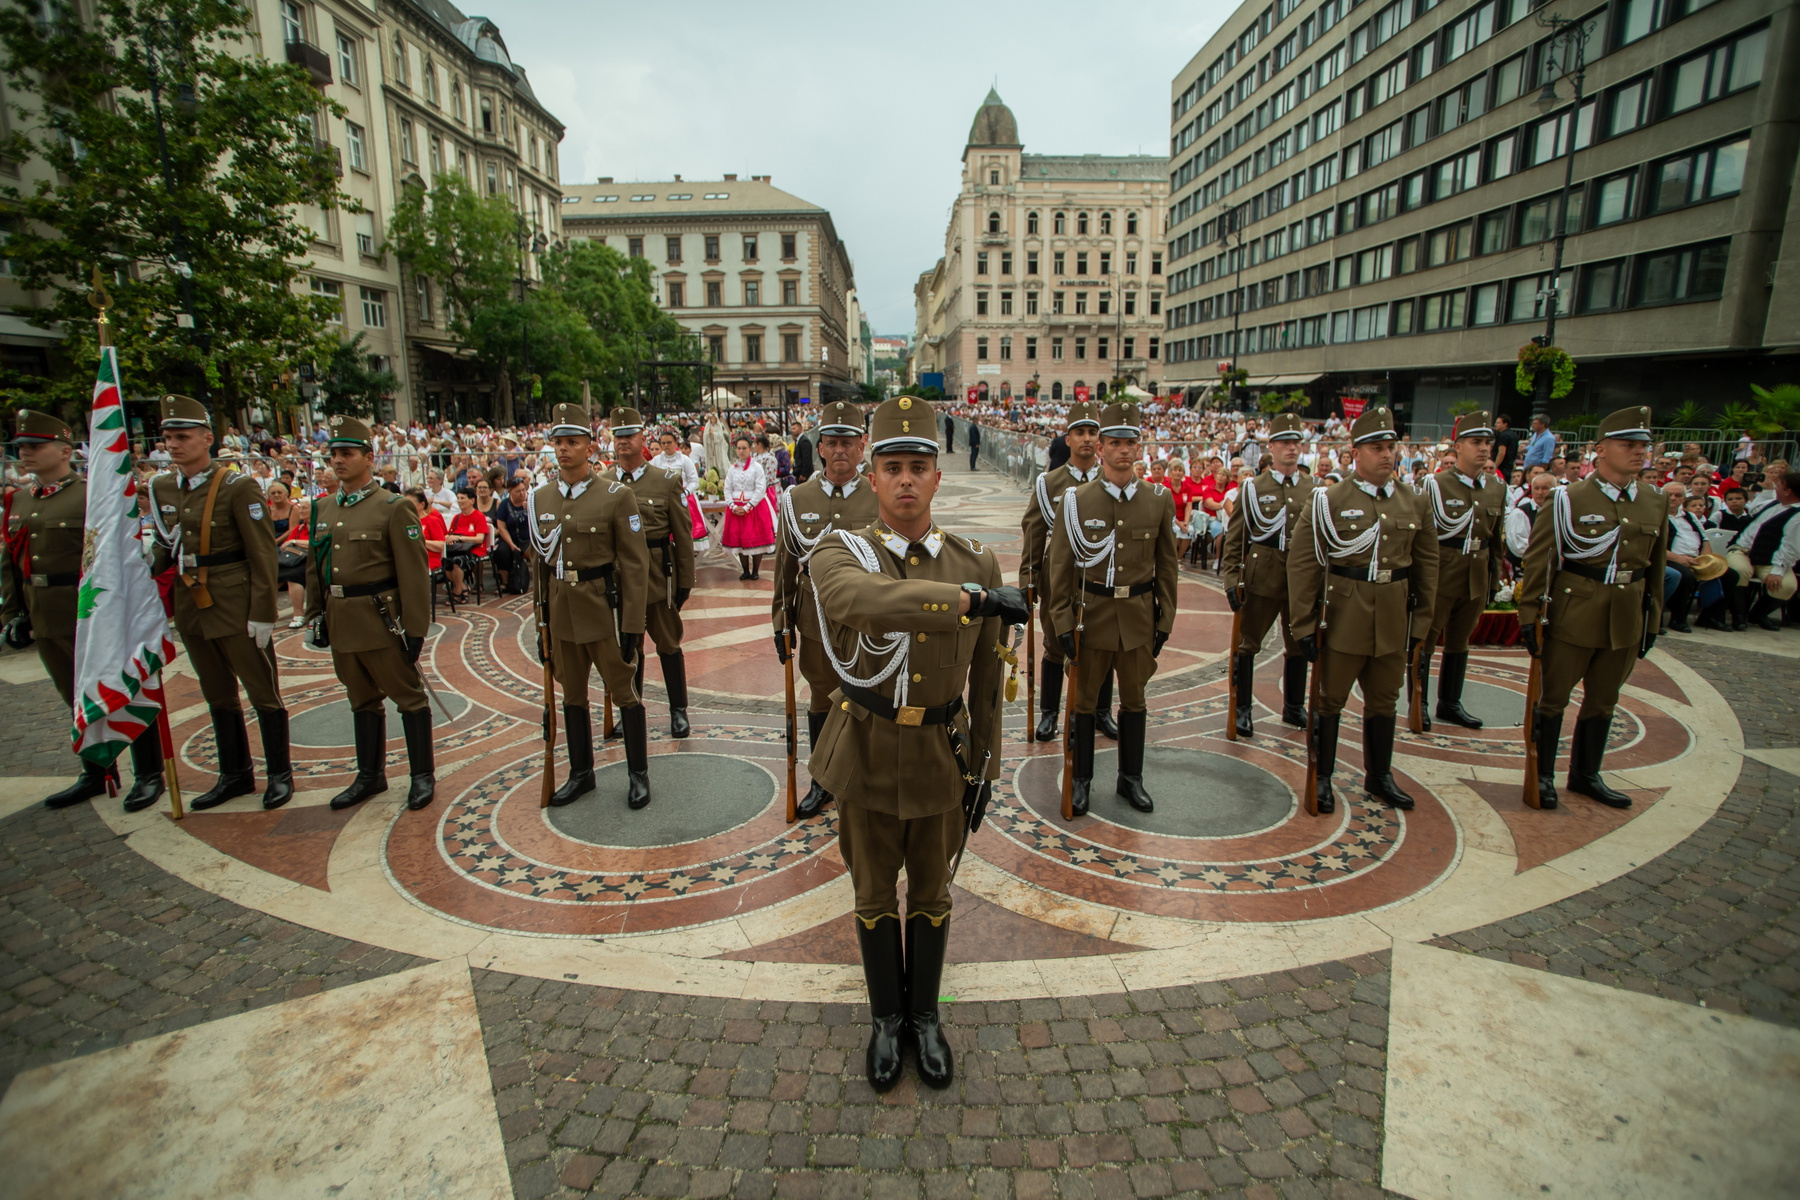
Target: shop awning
(1263, 381)
(18, 331)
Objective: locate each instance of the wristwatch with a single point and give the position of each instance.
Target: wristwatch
(976, 592)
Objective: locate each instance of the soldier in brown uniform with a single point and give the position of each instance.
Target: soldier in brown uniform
(368, 586)
(212, 523)
(1369, 540)
(1467, 503)
(45, 525)
(669, 539)
(836, 498)
(591, 578)
(1111, 576)
(1039, 526)
(1255, 569)
(902, 748)
(1594, 571)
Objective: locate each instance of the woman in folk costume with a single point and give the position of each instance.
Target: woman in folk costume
(749, 528)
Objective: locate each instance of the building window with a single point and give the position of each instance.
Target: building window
(1687, 273)
(1491, 238)
(1155, 348)
(752, 347)
(1081, 349)
(365, 233)
(493, 179)
(1484, 307)
(1081, 304)
(1698, 175)
(456, 99)
(1105, 228)
(1005, 349)
(1612, 198)
(1131, 262)
(790, 291)
(1450, 245)
(1156, 264)
(293, 22)
(1503, 154)
(399, 60)
(981, 349)
(1130, 306)
(374, 308)
(346, 60)
(1532, 293)
(1131, 224)
(1030, 349)
(994, 178)
(1059, 224)
(1056, 302)
(1103, 349)
(1006, 305)
(1630, 107)
(1006, 262)
(1717, 72)
(1105, 303)
(712, 247)
(788, 241)
(1056, 349)
(407, 153)
(790, 347)
(715, 347)
(1081, 263)
(1633, 19)
(353, 139)
(1059, 263)
(981, 262)
(1031, 304)
(677, 297)
(749, 247)
(487, 116)
(333, 291)
(1031, 222)
(1156, 304)
(1105, 262)
(993, 222)
(422, 291)
(1443, 311)
(1600, 286)
(672, 250)
(431, 95)
(634, 247)
(1129, 348)
(715, 293)
(1081, 224)
(752, 293)
(434, 151)
(981, 304)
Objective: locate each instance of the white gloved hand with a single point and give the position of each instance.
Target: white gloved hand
(260, 632)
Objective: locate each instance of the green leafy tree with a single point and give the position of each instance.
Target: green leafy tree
(350, 384)
(1690, 415)
(1271, 403)
(215, 226)
(1778, 408)
(613, 296)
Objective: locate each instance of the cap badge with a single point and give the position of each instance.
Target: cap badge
(905, 402)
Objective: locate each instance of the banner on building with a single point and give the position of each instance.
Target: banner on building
(1082, 393)
(1353, 406)
(973, 393)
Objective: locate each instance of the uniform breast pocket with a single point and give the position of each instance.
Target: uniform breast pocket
(958, 647)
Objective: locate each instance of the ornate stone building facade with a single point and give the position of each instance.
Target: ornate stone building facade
(1052, 269)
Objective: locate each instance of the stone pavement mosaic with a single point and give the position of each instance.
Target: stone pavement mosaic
(1263, 1084)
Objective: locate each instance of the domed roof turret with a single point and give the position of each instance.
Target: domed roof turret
(994, 124)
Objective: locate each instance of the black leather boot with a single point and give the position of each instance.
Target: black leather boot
(1082, 739)
(885, 973)
(278, 764)
(417, 726)
(1586, 751)
(1049, 701)
(578, 727)
(1293, 691)
(816, 797)
(637, 755)
(1378, 762)
(371, 759)
(1450, 690)
(236, 777)
(1327, 733)
(1103, 713)
(1243, 667)
(1764, 612)
(1422, 690)
(1131, 760)
(93, 781)
(1547, 733)
(674, 669)
(925, 945)
(147, 782)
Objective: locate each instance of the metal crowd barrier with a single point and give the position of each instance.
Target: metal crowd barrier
(1020, 455)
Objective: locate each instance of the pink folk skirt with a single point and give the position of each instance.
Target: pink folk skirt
(751, 533)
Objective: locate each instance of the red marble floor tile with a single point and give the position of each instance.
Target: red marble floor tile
(980, 932)
(294, 843)
(1540, 835)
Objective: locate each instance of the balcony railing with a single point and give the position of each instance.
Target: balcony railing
(315, 60)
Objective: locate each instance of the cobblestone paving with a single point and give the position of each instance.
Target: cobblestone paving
(1716, 920)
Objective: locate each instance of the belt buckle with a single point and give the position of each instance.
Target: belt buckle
(1383, 576)
(188, 562)
(40, 581)
(337, 591)
(1122, 593)
(909, 714)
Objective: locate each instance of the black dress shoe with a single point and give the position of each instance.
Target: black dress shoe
(813, 803)
(90, 783)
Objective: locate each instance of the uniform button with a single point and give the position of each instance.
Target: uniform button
(918, 679)
(921, 637)
(846, 706)
(835, 516)
(930, 607)
(914, 560)
(964, 620)
(1118, 522)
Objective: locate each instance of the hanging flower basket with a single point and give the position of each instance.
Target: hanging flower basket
(1554, 358)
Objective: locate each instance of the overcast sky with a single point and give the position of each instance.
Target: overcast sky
(860, 108)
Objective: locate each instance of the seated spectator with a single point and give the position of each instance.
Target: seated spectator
(291, 549)
(466, 544)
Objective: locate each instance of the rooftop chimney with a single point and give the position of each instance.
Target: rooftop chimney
(731, 179)
(605, 179)
(678, 179)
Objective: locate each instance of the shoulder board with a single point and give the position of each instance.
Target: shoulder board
(392, 498)
(671, 473)
(614, 487)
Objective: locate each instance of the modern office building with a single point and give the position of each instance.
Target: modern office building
(1364, 200)
(1052, 269)
(759, 274)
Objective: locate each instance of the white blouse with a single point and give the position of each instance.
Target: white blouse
(690, 478)
(746, 482)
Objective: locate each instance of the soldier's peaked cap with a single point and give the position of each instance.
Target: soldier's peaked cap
(1375, 425)
(347, 431)
(1084, 414)
(569, 420)
(184, 412)
(626, 421)
(36, 427)
(903, 425)
(1286, 427)
(1628, 424)
(842, 418)
(1121, 421)
(1475, 424)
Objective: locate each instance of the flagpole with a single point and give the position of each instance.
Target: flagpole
(101, 301)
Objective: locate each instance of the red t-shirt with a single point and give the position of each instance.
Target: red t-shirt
(471, 524)
(1212, 489)
(431, 528)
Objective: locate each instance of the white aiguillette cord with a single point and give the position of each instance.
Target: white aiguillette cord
(1259, 529)
(1447, 525)
(545, 545)
(1042, 487)
(171, 536)
(1327, 542)
(897, 645)
(1580, 545)
(1088, 553)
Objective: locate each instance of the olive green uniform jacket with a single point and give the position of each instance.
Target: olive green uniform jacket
(1589, 612)
(52, 527)
(668, 529)
(1144, 553)
(601, 526)
(808, 510)
(1475, 575)
(241, 591)
(375, 540)
(1366, 618)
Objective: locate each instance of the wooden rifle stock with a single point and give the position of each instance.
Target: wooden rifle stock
(1313, 715)
(1415, 703)
(793, 736)
(1231, 684)
(1071, 685)
(1534, 690)
(549, 783)
(1030, 665)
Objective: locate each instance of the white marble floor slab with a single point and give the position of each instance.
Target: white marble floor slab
(375, 1090)
(1785, 758)
(1506, 1082)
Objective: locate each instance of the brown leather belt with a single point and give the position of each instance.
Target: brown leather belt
(1598, 574)
(351, 591)
(1121, 592)
(583, 574)
(881, 706)
(1396, 575)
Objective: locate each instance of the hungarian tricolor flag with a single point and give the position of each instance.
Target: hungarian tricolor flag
(121, 633)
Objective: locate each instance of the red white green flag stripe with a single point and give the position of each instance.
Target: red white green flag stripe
(121, 632)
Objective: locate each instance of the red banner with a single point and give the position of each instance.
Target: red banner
(1082, 392)
(972, 393)
(1353, 406)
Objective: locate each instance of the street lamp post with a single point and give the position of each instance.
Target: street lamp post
(1228, 214)
(1573, 34)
